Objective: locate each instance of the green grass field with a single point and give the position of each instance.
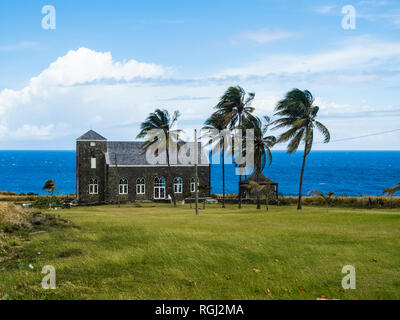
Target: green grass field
(158, 252)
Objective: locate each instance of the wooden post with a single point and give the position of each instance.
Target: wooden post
(196, 177)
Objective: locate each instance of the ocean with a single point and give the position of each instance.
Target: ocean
(343, 172)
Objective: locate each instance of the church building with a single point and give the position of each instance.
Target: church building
(112, 171)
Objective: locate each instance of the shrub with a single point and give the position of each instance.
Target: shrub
(47, 202)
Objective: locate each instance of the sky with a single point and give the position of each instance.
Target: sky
(108, 64)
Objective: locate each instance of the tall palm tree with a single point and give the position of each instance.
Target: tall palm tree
(297, 112)
(217, 121)
(235, 105)
(161, 120)
(262, 144)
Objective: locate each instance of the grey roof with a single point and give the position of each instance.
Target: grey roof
(128, 153)
(91, 135)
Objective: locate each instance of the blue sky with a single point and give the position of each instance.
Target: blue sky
(109, 63)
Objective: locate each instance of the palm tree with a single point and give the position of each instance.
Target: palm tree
(262, 145)
(327, 198)
(235, 105)
(217, 121)
(161, 120)
(297, 112)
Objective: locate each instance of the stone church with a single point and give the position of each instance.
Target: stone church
(108, 171)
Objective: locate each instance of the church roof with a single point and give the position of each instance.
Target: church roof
(91, 135)
(129, 153)
(259, 178)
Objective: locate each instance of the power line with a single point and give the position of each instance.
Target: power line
(364, 136)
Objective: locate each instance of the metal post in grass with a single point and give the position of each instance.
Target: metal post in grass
(196, 177)
(116, 171)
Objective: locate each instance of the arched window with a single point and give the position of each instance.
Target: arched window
(93, 186)
(193, 185)
(123, 186)
(159, 188)
(178, 185)
(140, 186)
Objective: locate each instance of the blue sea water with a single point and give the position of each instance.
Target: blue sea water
(344, 172)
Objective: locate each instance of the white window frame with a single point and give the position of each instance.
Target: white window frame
(92, 143)
(178, 185)
(123, 187)
(140, 186)
(159, 188)
(93, 186)
(193, 185)
(93, 162)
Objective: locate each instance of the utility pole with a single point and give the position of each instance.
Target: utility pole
(196, 176)
(116, 169)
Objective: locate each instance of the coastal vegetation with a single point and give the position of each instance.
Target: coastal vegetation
(296, 112)
(155, 251)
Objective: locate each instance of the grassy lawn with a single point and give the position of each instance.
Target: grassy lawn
(158, 252)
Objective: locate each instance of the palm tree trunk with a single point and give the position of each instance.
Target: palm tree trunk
(171, 179)
(301, 178)
(223, 174)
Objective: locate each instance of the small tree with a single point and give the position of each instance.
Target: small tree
(390, 192)
(50, 186)
(327, 198)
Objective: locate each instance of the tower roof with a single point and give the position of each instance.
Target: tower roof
(91, 135)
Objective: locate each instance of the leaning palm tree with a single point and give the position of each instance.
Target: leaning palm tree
(161, 120)
(297, 112)
(262, 145)
(217, 121)
(235, 105)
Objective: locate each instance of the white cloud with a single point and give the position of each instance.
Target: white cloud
(324, 9)
(56, 92)
(19, 46)
(261, 36)
(362, 54)
(70, 96)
